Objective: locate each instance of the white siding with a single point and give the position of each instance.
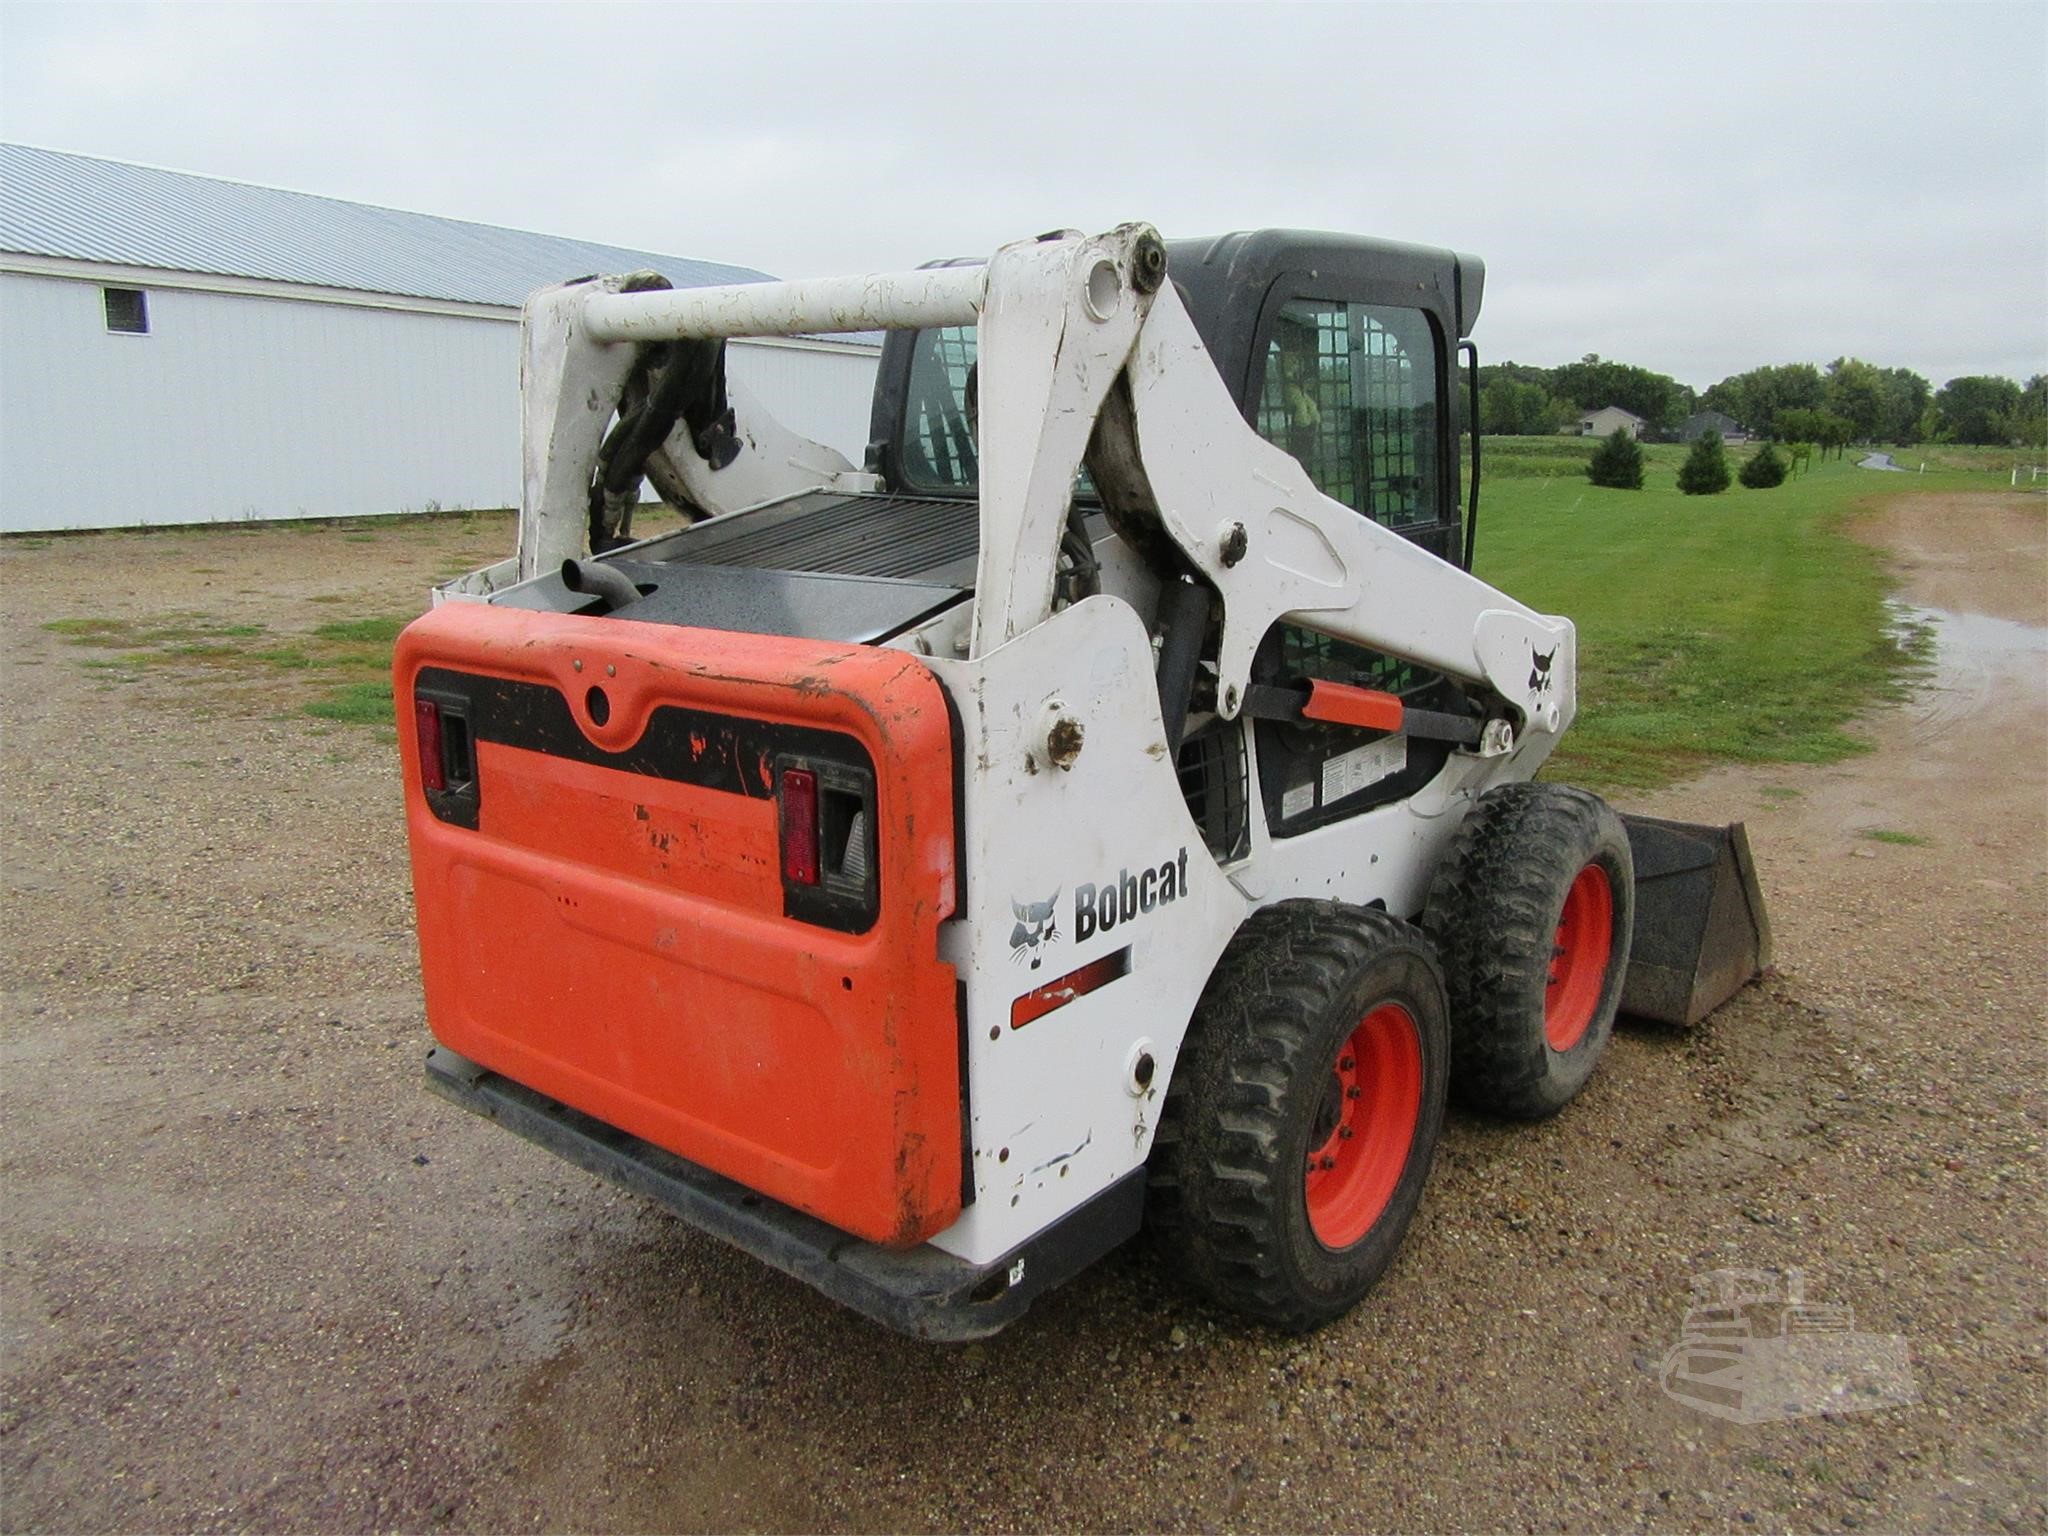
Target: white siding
(241, 408)
(236, 407)
(819, 394)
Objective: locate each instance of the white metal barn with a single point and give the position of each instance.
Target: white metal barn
(180, 349)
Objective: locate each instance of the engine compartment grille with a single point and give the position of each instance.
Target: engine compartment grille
(929, 538)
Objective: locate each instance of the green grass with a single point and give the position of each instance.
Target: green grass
(378, 631)
(362, 703)
(1896, 839)
(339, 671)
(1746, 626)
(82, 629)
(174, 634)
(1551, 458)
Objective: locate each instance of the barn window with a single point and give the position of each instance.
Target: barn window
(127, 310)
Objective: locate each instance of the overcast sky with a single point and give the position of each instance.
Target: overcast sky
(1698, 189)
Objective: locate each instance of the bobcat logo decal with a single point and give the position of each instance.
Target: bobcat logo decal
(1037, 926)
(1539, 669)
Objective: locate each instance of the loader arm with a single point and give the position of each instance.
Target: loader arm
(1249, 520)
(1085, 353)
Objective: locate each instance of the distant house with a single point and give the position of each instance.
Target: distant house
(1605, 422)
(1700, 423)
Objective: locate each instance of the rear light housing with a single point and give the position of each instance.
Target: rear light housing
(825, 816)
(441, 728)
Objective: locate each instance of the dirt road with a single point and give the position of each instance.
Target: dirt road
(254, 1277)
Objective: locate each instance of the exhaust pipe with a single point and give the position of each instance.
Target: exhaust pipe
(605, 581)
(1701, 931)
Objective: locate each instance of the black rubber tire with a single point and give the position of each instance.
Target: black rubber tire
(1494, 907)
(1227, 1199)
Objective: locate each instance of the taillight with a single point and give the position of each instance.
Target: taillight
(799, 826)
(426, 716)
(825, 813)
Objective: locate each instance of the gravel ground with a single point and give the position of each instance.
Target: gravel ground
(255, 1277)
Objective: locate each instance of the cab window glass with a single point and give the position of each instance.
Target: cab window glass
(940, 443)
(1351, 391)
(938, 434)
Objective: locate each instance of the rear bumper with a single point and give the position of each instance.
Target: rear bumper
(922, 1291)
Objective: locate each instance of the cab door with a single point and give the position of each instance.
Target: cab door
(1358, 390)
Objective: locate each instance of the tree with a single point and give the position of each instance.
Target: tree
(2032, 426)
(1515, 408)
(1765, 469)
(1905, 401)
(1855, 392)
(1705, 470)
(1617, 463)
(1755, 398)
(1822, 427)
(1978, 409)
(1593, 382)
(1883, 405)
(1834, 432)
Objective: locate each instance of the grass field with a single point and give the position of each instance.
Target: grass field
(1536, 458)
(1746, 626)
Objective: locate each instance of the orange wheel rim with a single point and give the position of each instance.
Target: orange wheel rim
(1579, 956)
(1364, 1126)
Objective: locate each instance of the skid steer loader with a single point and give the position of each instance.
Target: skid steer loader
(1110, 806)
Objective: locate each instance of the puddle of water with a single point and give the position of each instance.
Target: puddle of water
(1976, 661)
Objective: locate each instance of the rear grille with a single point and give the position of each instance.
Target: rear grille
(896, 537)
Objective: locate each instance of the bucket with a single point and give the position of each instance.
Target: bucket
(1701, 931)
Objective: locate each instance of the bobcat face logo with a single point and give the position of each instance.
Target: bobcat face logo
(1539, 669)
(1037, 926)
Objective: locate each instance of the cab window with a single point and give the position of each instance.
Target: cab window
(1351, 391)
(938, 431)
(941, 445)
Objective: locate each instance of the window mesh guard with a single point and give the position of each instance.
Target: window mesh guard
(1344, 394)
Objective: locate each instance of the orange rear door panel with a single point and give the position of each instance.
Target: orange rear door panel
(612, 929)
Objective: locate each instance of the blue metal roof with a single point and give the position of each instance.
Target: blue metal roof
(85, 209)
